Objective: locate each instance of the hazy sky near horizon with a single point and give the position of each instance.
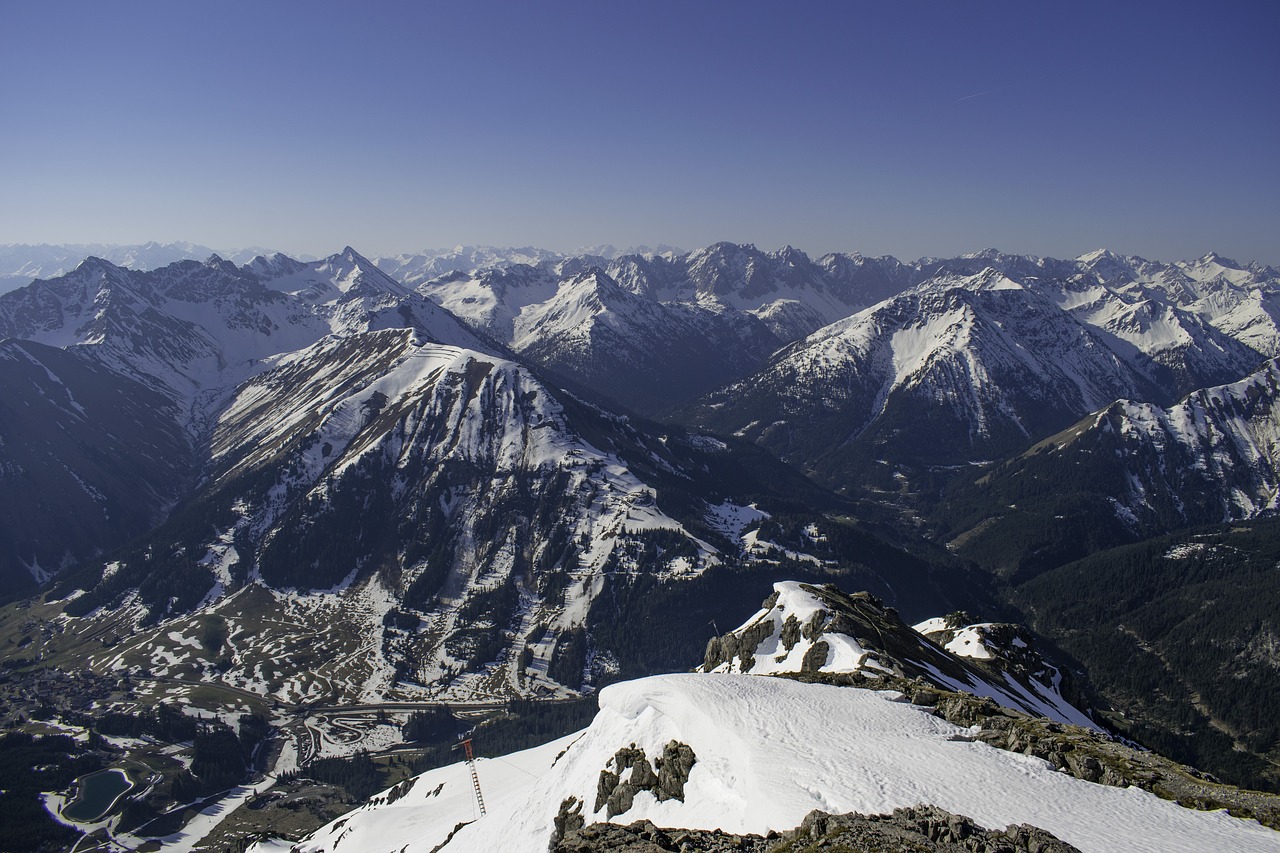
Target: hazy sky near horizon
(904, 128)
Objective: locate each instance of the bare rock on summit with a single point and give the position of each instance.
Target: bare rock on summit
(924, 829)
(632, 773)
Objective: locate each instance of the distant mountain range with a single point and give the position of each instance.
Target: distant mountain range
(326, 428)
(21, 263)
(484, 474)
(874, 376)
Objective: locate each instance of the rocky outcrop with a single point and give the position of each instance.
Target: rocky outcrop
(568, 819)
(666, 783)
(739, 644)
(806, 628)
(923, 828)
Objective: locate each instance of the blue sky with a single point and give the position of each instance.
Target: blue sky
(900, 128)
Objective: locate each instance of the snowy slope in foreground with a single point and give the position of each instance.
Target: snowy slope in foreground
(768, 751)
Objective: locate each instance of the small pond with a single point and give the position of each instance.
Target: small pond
(97, 793)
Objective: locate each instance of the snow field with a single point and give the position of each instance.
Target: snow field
(769, 751)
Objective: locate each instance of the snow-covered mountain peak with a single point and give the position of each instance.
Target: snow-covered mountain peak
(795, 631)
(346, 289)
(1098, 255)
(93, 263)
(1218, 260)
(95, 271)
(987, 254)
(275, 266)
(802, 628)
(1110, 267)
(1216, 268)
(353, 272)
(580, 303)
(595, 279)
(792, 256)
(992, 279)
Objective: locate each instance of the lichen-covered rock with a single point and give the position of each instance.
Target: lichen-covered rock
(812, 629)
(923, 828)
(605, 787)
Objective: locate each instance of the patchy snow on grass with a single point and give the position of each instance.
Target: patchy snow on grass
(732, 519)
(1186, 550)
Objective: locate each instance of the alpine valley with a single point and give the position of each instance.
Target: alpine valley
(275, 532)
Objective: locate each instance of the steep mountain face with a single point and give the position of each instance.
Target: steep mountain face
(791, 293)
(432, 520)
(606, 338)
(170, 344)
(1129, 471)
(639, 352)
(88, 460)
(955, 370)
(1174, 345)
(442, 482)
(182, 329)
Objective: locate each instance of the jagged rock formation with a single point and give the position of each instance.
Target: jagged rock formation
(616, 793)
(926, 829)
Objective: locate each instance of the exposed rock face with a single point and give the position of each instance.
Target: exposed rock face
(924, 828)
(816, 657)
(673, 770)
(568, 819)
(921, 828)
(741, 645)
(667, 783)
